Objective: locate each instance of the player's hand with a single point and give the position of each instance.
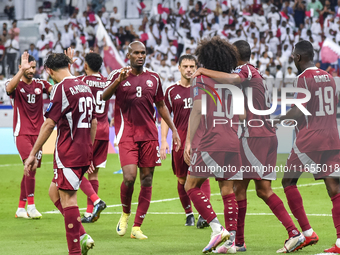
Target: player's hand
(70, 53)
(124, 73)
(164, 149)
(176, 140)
(112, 122)
(187, 153)
(197, 73)
(24, 62)
(31, 163)
(91, 168)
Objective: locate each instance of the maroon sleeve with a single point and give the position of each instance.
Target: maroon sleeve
(167, 100)
(53, 110)
(159, 96)
(243, 72)
(46, 87)
(11, 95)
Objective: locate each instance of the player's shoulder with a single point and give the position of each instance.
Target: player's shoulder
(41, 81)
(114, 73)
(310, 72)
(171, 87)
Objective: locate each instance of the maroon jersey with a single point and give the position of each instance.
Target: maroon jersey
(27, 101)
(97, 83)
(71, 107)
(134, 108)
(251, 78)
(178, 100)
(319, 131)
(216, 137)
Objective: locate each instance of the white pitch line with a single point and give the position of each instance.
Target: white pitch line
(176, 198)
(6, 165)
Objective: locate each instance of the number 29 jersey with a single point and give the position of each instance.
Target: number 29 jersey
(134, 113)
(318, 131)
(97, 84)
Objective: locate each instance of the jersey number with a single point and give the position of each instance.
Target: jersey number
(31, 98)
(139, 91)
(100, 103)
(326, 101)
(187, 103)
(85, 108)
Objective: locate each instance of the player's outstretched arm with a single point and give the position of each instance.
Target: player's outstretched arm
(111, 89)
(45, 132)
(22, 68)
(164, 143)
(228, 78)
(164, 112)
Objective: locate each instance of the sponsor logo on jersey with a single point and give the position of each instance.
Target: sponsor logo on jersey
(177, 97)
(149, 83)
(37, 91)
(126, 84)
(237, 70)
(49, 107)
(22, 90)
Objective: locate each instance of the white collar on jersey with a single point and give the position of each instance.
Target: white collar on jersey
(309, 68)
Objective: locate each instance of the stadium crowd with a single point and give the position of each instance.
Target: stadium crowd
(173, 28)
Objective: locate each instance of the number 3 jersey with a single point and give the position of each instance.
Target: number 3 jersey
(27, 101)
(71, 107)
(97, 83)
(134, 108)
(318, 131)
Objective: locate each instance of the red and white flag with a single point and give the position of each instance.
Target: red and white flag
(111, 57)
(161, 9)
(330, 51)
(140, 7)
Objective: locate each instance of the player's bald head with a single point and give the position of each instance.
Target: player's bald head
(132, 46)
(305, 50)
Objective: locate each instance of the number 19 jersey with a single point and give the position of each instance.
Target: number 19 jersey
(318, 131)
(134, 108)
(97, 84)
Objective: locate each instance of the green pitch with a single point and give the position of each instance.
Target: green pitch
(164, 224)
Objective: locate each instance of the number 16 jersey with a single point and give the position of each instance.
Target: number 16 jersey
(318, 131)
(134, 108)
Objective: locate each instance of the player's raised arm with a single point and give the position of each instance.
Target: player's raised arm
(164, 112)
(22, 68)
(219, 76)
(111, 89)
(45, 132)
(164, 143)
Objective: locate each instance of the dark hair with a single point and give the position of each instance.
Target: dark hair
(56, 61)
(267, 70)
(243, 49)
(305, 50)
(278, 67)
(30, 58)
(216, 54)
(188, 57)
(94, 61)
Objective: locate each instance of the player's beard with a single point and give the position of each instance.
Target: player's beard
(26, 75)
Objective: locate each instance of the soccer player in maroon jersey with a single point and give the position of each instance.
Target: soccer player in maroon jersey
(219, 146)
(97, 83)
(71, 109)
(136, 132)
(254, 154)
(26, 93)
(317, 146)
(178, 100)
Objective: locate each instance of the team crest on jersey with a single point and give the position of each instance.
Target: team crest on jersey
(149, 83)
(49, 107)
(37, 91)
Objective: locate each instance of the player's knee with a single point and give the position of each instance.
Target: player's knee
(129, 181)
(147, 181)
(286, 182)
(263, 194)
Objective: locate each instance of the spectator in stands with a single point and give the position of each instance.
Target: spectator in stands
(5, 36)
(90, 34)
(9, 10)
(327, 10)
(12, 49)
(57, 45)
(289, 77)
(33, 52)
(115, 16)
(49, 36)
(337, 9)
(15, 30)
(40, 17)
(315, 6)
(41, 46)
(278, 78)
(270, 80)
(299, 12)
(97, 5)
(2, 57)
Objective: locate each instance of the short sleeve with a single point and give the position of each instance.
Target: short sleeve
(159, 96)
(198, 84)
(113, 76)
(11, 95)
(167, 100)
(53, 110)
(244, 72)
